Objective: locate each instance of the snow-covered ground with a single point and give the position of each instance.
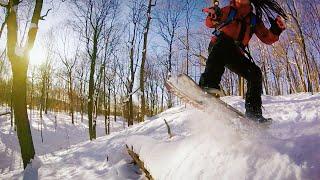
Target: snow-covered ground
(58, 134)
(202, 146)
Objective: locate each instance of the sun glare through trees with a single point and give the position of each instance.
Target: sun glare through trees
(37, 56)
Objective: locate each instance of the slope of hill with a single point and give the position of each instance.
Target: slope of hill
(203, 146)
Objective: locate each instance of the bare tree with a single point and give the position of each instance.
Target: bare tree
(81, 76)
(19, 59)
(91, 18)
(144, 57)
(45, 81)
(169, 21)
(294, 14)
(68, 55)
(135, 37)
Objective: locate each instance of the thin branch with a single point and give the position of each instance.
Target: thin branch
(42, 17)
(3, 24)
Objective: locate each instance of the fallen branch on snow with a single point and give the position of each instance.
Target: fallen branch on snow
(5, 113)
(137, 161)
(169, 129)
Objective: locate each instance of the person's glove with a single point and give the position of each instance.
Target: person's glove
(211, 12)
(277, 25)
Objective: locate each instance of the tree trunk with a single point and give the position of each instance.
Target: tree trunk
(43, 91)
(19, 72)
(71, 97)
(143, 60)
(115, 103)
(170, 97)
(81, 98)
(109, 106)
(105, 107)
(241, 86)
(92, 122)
(162, 99)
(106, 104)
(47, 94)
(132, 74)
(301, 74)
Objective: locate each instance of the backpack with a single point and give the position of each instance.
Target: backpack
(230, 18)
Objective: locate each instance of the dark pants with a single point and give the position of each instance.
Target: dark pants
(225, 53)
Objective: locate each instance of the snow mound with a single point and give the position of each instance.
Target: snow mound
(206, 148)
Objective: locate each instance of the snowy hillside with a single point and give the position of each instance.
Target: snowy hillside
(58, 133)
(202, 146)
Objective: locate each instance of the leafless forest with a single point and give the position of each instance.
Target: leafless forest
(112, 57)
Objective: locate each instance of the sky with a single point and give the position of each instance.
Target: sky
(61, 13)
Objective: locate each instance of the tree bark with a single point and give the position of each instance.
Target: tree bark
(19, 72)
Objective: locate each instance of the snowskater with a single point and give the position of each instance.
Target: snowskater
(234, 26)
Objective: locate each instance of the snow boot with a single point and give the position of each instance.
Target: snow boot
(257, 118)
(213, 91)
(255, 114)
(209, 87)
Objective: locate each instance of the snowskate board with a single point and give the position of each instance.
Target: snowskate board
(188, 91)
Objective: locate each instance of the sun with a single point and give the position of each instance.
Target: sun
(37, 55)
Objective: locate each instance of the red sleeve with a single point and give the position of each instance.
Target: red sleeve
(265, 35)
(210, 23)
